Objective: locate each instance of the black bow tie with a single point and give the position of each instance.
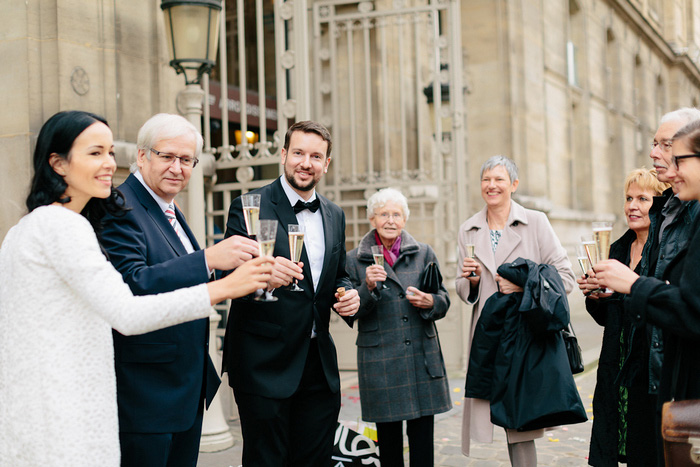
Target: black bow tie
(312, 206)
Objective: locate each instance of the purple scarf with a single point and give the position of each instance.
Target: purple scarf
(390, 254)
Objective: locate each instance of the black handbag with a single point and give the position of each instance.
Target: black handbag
(430, 279)
(573, 350)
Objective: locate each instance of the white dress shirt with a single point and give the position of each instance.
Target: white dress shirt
(314, 239)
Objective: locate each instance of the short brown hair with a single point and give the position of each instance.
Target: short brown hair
(646, 179)
(308, 126)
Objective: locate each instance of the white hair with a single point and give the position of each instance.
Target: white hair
(683, 115)
(385, 195)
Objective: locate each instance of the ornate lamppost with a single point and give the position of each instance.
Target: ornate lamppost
(192, 29)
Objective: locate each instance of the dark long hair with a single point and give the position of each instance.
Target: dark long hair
(57, 136)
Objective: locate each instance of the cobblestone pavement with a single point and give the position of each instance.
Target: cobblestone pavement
(561, 447)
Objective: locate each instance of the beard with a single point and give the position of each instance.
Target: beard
(289, 175)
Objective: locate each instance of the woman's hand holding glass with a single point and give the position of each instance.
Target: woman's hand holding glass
(590, 286)
(373, 274)
(471, 269)
(245, 279)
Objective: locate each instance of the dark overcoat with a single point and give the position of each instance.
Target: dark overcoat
(518, 361)
(639, 410)
(400, 366)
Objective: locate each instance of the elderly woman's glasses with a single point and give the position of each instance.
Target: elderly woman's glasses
(686, 156)
(169, 159)
(385, 216)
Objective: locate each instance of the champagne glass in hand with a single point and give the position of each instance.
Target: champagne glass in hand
(251, 213)
(602, 232)
(296, 243)
(378, 255)
(583, 259)
(470, 254)
(266, 242)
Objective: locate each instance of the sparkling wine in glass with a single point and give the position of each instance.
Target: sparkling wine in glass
(470, 254)
(296, 243)
(251, 213)
(583, 261)
(602, 232)
(266, 236)
(378, 255)
(591, 249)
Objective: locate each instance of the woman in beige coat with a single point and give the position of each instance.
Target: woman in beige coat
(502, 232)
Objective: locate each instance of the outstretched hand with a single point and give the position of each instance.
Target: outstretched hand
(614, 275)
(245, 279)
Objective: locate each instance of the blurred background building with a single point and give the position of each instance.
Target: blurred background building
(417, 94)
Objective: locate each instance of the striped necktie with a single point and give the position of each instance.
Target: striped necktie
(170, 214)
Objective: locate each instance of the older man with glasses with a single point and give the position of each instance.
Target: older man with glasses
(165, 377)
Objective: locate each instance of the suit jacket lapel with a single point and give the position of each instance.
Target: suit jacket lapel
(328, 234)
(158, 217)
(183, 223)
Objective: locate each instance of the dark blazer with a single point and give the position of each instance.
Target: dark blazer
(266, 343)
(163, 375)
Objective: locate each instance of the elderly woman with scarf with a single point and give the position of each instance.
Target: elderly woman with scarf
(400, 365)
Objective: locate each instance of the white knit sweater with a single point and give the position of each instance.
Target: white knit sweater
(59, 300)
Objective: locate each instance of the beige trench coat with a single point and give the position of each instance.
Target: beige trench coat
(528, 234)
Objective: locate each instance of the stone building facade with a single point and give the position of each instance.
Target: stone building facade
(570, 89)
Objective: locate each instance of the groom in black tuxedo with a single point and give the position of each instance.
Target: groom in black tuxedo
(280, 357)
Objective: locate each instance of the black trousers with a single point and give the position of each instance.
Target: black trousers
(420, 442)
(293, 432)
(162, 449)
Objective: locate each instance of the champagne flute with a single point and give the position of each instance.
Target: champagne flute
(470, 254)
(296, 243)
(251, 213)
(589, 245)
(378, 255)
(583, 260)
(266, 236)
(602, 232)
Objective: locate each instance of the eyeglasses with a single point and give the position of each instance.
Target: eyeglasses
(664, 145)
(167, 158)
(686, 156)
(386, 216)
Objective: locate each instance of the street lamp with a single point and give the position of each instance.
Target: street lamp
(192, 28)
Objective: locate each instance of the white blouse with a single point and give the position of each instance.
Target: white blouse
(59, 300)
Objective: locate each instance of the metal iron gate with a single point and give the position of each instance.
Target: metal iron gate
(385, 76)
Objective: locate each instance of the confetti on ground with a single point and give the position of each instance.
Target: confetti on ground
(445, 439)
(564, 428)
(458, 403)
(457, 390)
(554, 440)
(590, 396)
(589, 410)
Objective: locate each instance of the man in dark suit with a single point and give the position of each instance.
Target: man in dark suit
(280, 356)
(163, 377)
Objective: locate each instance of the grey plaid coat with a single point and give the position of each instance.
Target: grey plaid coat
(400, 365)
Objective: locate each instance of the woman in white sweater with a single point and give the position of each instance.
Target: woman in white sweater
(60, 298)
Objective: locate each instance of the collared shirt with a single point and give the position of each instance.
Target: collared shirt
(163, 205)
(314, 239)
(669, 212)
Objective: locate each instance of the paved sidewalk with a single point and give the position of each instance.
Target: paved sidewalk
(565, 446)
